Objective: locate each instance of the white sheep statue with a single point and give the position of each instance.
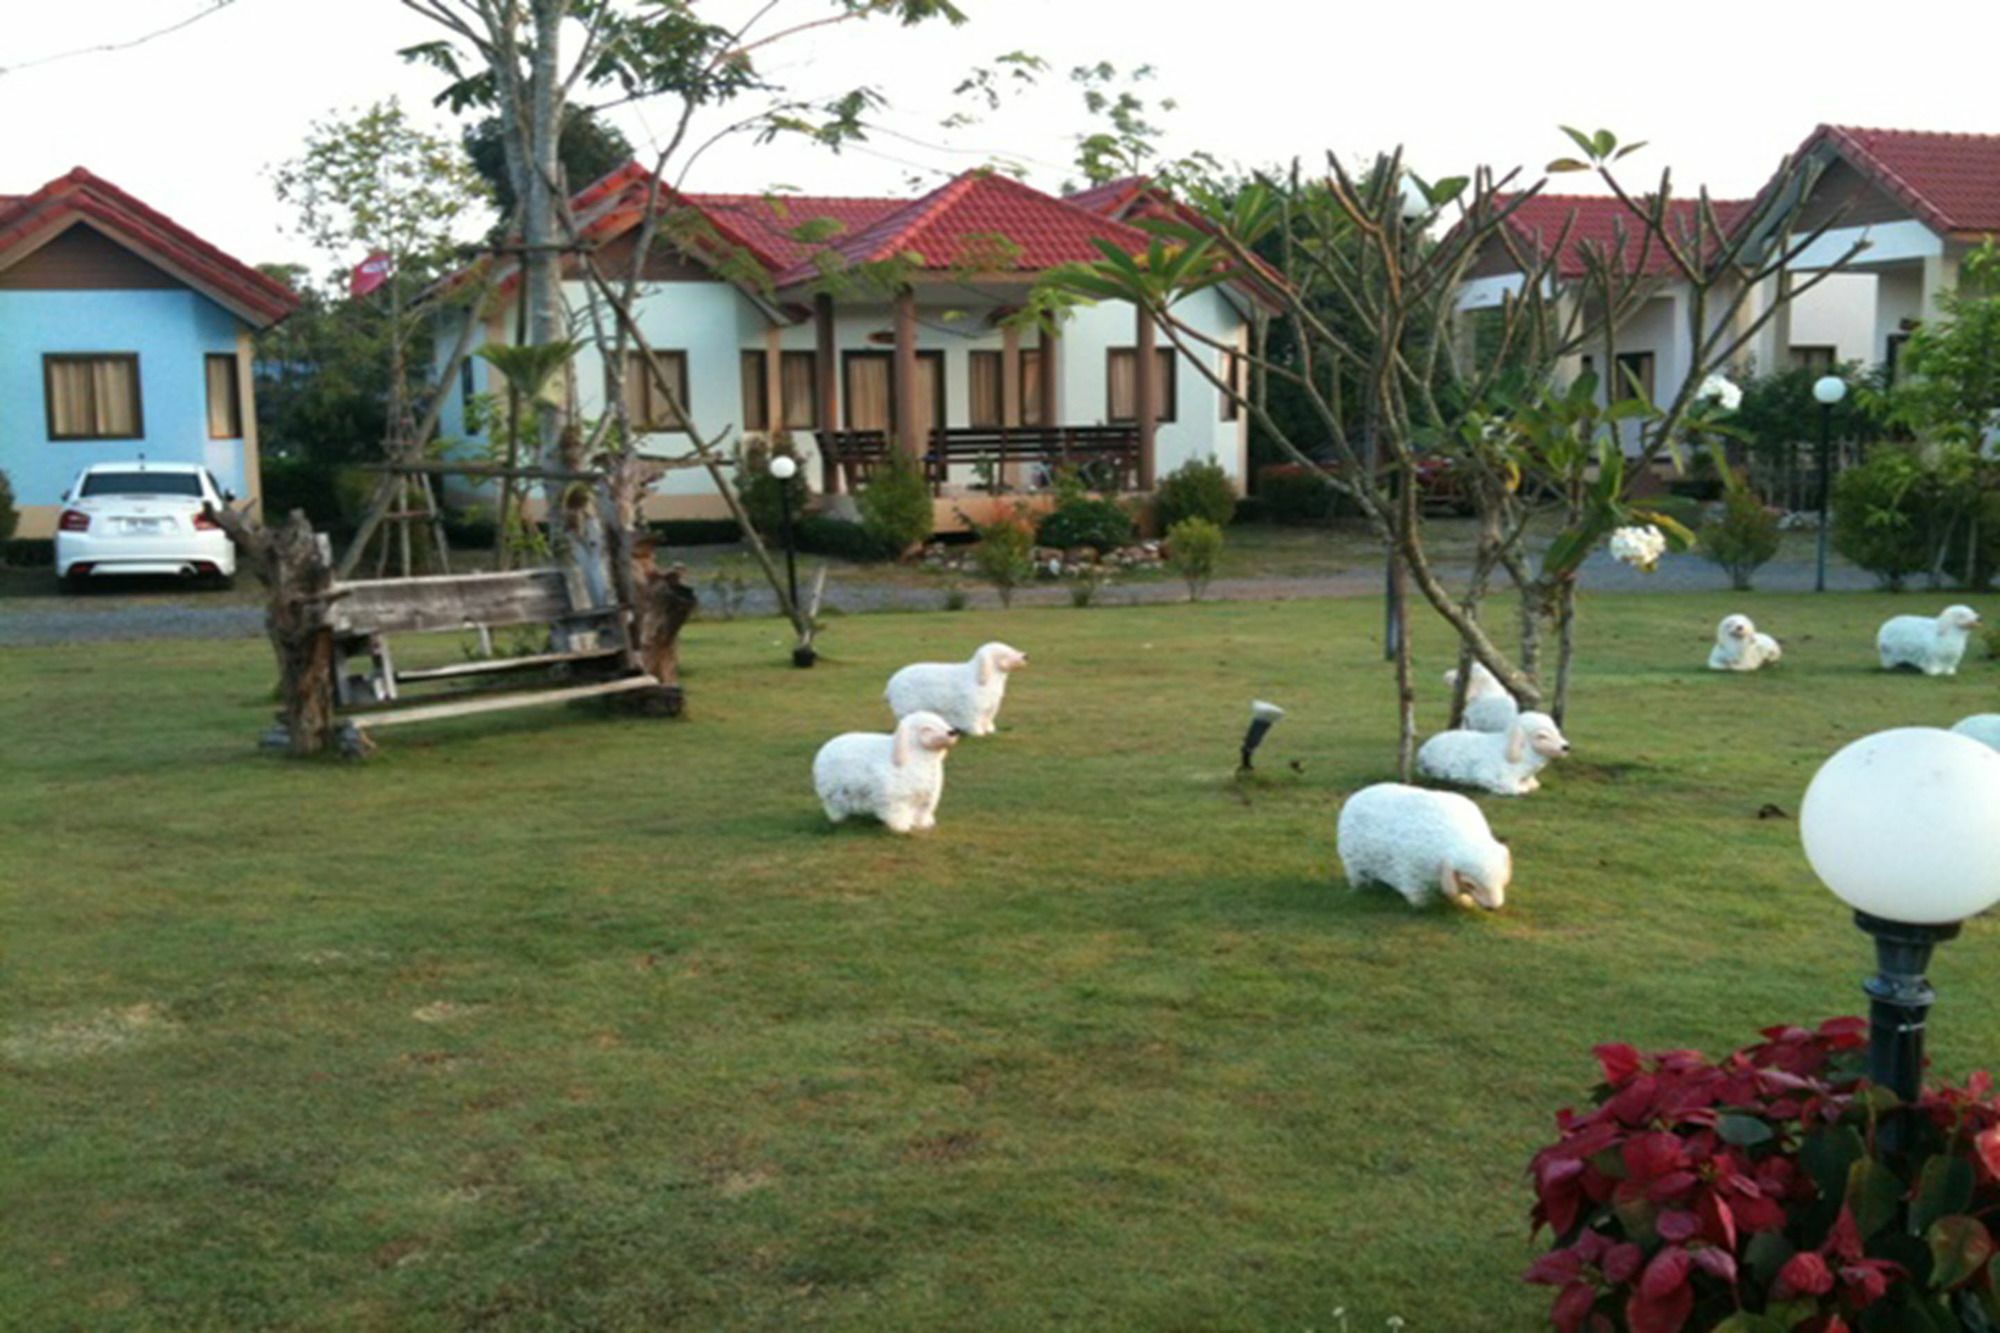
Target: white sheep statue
(1932, 646)
(895, 778)
(1504, 763)
(1740, 646)
(965, 694)
(1981, 727)
(1488, 705)
(1422, 843)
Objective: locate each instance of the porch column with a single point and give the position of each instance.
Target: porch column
(1010, 395)
(1145, 374)
(911, 434)
(827, 379)
(774, 389)
(1048, 391)
(1940, 275)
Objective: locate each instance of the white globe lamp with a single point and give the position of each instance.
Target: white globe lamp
(784, 467)
(1829, 389)
(1904, 827)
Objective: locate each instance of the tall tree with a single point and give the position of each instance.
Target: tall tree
(588, 147)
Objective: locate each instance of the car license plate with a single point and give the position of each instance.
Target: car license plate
(142, 525)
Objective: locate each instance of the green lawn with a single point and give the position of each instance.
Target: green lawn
(566, 1021)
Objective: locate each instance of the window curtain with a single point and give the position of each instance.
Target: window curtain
(648, 407)
(225, 420)
(799, 382)
(1031, 388)
(1122, 381)
(985, 388)
(930, 389)
(114, 382)
(868, 392)
(70, 414)
(93, 398)
(756, 415)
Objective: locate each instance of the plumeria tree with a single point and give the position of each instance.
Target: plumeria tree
(1360, 276)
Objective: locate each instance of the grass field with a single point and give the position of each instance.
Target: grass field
(567, 1021)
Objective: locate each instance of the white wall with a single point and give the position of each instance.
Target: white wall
(1839, 313)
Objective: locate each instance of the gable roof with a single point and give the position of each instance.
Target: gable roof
(27, 222)
(1949, 182)
(1113, 199)
(1596, 220)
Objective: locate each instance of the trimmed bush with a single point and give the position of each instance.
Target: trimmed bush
(1741, 538)
(1085, 522)
(1291, 493)
(1882, 515)
(10, 518)
(1005, 556)
(841, 538)
(688, 531)
(896, 505)
(763, 498)
(1196, 489)
(1193, 547)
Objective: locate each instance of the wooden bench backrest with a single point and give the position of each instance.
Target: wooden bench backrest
(451, 601)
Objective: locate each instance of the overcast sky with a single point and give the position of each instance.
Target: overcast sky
(191, 121)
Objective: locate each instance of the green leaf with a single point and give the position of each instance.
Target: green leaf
(1580, 139)
(1944, 1187)
(1602, 144)
(1960, 1247)
(1766, 1253)
(1745, 1322)
(1827, 1155)
(1448, 189)
(1873, 1193)
(1628, 148)
(1681, 539)
(1567, 164)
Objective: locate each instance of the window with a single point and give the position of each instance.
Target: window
(1813, 358)
(466, 387)
(1232, 375)
(93, 396)
(871, 398)
(986, 385)
(798, 386)
(225, 405)
(1121, 384)
(1892, 353)
(756, 392)
(1634, 368)
(649, 408)
(141, 483)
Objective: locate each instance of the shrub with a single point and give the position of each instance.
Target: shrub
(688, 531)
(1292, 493)
(1005, 556)
(1198, 488)
(1193, 546)
(955, 598)
(1082, 521)
(1881, 516)
(844, 539)
(1754, 1193)
(896, 505)
(1741, 538)
(10, 518)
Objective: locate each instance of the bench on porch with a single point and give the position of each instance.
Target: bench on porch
(1108, 456)
(587, 653)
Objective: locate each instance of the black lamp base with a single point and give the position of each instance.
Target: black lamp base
(1899, 1000)
(804, 656)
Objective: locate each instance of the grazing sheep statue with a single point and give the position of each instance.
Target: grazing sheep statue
(1932, 646)
(895, 778)
(1981, 727)
(1488, 705)
(1421, 843)
(1504, 763)
(965, 694)
(1739, 646)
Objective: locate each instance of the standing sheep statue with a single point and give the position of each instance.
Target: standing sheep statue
(1488, 705)
(1932, 646)
(1739, 646)
(1504, 763)
(965, 694)
(1981, 727)
(1422, 843)
(895, 778)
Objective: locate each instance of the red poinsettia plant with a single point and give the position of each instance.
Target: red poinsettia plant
(1772, 1191)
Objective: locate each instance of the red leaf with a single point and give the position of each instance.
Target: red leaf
(1618, 1061)
(1572, 1307)
(1804, 1274)
(1677, 1225)
(1670, 1186)
(1661, 1316)
(1716, 1263)
(1649, 1155)
(1668, 1271)
(1555, 1269)
(1718, 1220)
(1987, 1145)
(1845, 1238)
(1621, 1262)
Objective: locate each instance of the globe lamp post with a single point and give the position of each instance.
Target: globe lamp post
(1901, 826)
(784, 467)
(1828, 390)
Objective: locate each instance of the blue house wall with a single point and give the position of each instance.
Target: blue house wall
(171, 330)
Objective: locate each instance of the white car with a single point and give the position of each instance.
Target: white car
(143, 518)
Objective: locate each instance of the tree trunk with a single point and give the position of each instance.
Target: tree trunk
(294, 569)
(1565, 647)
(1406, 686)
(658, 602)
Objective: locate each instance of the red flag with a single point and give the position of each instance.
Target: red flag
(369, 274)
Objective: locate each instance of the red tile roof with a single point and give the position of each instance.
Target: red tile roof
(1950, 182)
(1598, 220)
(981, 220)
(28, 220)
(768, 223)
(1113, 198)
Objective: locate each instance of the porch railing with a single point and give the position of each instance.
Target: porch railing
(1106, 457)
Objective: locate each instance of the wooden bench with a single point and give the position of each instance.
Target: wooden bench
(1112, 451)
(587, 655)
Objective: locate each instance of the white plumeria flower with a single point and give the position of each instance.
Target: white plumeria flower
(1639, 547)
(1721, 391)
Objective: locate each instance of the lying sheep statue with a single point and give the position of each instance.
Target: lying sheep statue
(1740, 647)
(895, 778)
(1421, 843)
(965, 694)
(1932, 646)
(1504, 763)
(1981, 727)
(1488, 705)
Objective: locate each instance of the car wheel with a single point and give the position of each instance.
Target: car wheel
(75, 585)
